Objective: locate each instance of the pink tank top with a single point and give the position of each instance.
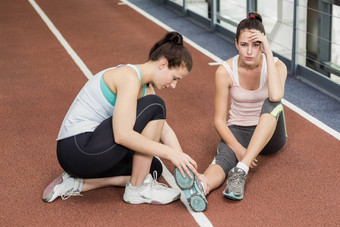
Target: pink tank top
(246, 105)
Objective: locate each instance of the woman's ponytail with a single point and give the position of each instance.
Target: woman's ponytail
(171, 47)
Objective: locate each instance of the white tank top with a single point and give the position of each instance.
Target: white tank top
(246, 105)
(89, 108)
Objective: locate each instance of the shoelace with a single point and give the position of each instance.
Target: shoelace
(72, 191)
(155, 184)
(236, 179)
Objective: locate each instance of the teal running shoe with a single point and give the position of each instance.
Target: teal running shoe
(235, 184)
(192, 189)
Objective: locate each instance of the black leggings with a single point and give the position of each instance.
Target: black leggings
(96, 155)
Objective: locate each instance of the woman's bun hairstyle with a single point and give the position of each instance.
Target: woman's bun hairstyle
(253, 21)
(253, 15)
(174, 37)
(171, 47)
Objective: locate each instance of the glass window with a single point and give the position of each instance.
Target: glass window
(233, 11)
(277, 17)
(178, 2)
(198, 6)
(335, 45)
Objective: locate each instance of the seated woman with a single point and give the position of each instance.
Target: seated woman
(255, 81)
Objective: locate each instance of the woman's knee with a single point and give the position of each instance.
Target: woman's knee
(150, 99)
(225, 158)
(274, 145)
(153, 98)
(149, 108)
(273, 108)
(154, 104)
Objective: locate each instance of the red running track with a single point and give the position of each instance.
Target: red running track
(39, 80)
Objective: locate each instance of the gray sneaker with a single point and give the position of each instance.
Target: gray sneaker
(235, 184)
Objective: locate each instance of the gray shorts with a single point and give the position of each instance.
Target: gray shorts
(226, 157)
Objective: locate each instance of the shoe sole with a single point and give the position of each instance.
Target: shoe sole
(190, 187)
(232, 196)
(141, 201)
(49, 192)
(150, 202)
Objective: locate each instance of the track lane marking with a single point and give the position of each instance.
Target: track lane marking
(61, 39)
(200, 218)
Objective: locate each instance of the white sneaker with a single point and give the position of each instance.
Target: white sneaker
(150, 192)
(64, 186)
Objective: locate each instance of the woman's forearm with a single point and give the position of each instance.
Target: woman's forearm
(169, 138)
(275, 87)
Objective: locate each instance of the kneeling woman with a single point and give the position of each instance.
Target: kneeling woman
(117, 125)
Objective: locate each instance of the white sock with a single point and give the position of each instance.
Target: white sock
(243, 166)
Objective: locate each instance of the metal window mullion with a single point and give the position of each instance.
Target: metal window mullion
(324, 35)
(293, 65)
(185, 7)
(251, 6)
(280, 10)
(213, 14)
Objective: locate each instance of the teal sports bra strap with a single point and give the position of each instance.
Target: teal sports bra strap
(139, 76)
(109, 95)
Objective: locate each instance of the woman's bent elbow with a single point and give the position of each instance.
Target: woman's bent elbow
(120, 139)
(218, 123)
(275, 98)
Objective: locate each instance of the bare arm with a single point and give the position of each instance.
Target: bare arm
(222, 84)
(123, 121)
(277, 72)
(169, 138)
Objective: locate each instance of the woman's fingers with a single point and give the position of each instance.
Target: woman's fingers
(256, 36)
(193, 163)
(254, 163)
(181, 171)
(185, 167)
(191, 167)
(185, 164)
(194, 170)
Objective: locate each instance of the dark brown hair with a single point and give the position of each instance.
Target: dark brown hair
(254, 21)
(171, 47)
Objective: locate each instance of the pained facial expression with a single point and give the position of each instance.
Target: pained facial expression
(250, 52)
(169, 78)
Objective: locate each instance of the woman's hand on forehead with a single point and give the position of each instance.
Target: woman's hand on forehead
(257, 36)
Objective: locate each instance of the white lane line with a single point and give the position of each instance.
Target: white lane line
(199, 217)
(61, 39)
(312, 119)
(214, 63)
(218, 61)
